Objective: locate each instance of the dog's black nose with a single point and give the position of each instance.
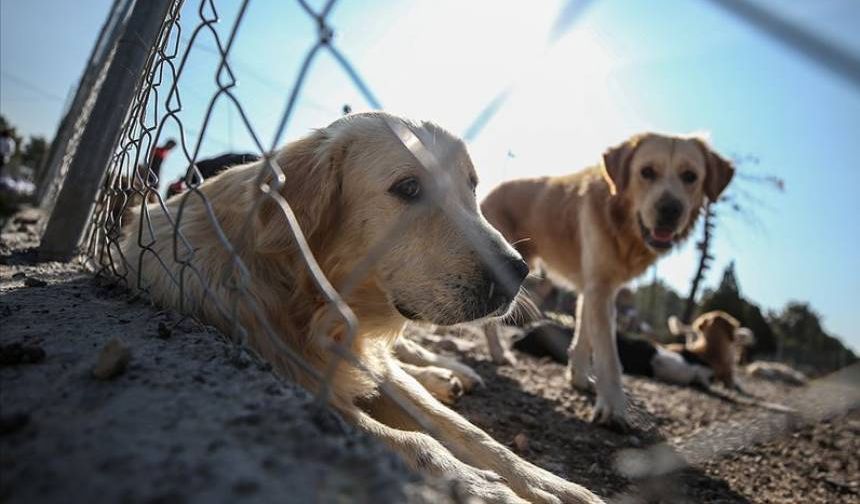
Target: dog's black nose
(518, 267)
(669, 211)
(508, 274)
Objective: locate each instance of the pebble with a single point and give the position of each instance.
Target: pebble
(521, 442)
(18, 353)
(13, 422)
(164, 331)
(113, 359)
(34, 282)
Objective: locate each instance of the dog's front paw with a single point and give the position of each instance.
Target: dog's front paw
(503, 357)
(486, 486)
(579, 379)
(610, 410)
(442, 384)
(468, 377)
(542, 486)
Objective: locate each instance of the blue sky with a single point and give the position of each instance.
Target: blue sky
(672, 66)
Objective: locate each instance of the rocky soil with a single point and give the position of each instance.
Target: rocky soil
(175, 414)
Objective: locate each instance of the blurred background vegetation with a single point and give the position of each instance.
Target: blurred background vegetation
(793, 334)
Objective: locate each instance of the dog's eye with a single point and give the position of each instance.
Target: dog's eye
(648, 172)
(408, 189)
(688, 177)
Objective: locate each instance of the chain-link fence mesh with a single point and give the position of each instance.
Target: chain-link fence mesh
(132, 185)
(132, 182)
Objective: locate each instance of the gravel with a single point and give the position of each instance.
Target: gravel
(725, 447)
(191, 420)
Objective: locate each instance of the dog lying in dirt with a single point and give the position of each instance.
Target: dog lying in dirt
(600, 228)
(714, 338)
(639, 357)
(349, 185)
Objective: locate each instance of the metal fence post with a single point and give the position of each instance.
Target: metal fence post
(76, 201)
(46, 177)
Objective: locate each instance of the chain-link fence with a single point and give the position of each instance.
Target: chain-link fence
(127, 214)
(126, 233)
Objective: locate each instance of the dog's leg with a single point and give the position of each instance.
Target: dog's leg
(477, 448)
(598, 322)
(498, 352)
(579, 353)
(438, 381)
(410, 352)
(426, 455)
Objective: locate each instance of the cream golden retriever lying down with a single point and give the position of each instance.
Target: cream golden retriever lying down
(348, 184)
(600, 228)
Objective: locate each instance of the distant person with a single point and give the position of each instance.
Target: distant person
(7, 148)
(212, 166)
(159, 154)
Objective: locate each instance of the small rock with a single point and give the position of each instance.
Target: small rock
(113, 359)
(18, 353)
(19, 275)
(34, 282)
(164, 331)
(246, 419)
(245, 487)
(521, 442)
(13, 422)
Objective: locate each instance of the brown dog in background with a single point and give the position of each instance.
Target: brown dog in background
(714, 337)
(601, 227)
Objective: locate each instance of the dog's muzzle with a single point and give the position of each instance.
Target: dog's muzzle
(661, 238)
(501, 285)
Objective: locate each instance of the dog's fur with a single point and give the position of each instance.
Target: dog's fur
(603, 226)
(343, 184)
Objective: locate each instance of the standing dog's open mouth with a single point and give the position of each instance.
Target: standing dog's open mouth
(660, 238)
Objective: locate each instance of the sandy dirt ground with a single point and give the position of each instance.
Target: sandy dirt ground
(191, 420)
(733, 448)
(188, 420)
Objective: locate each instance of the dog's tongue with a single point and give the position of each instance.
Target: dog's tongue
(663, 235)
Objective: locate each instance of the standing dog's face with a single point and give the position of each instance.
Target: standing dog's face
(666, 179)
(357, 190)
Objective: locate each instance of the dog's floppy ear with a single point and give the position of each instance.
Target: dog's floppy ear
(616, 164)
(703, 322)
(312, 180)
(718, 171)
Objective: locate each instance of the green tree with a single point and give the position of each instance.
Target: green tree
(34, 152)
(802, 340)
(6, 125)
(655, 303)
